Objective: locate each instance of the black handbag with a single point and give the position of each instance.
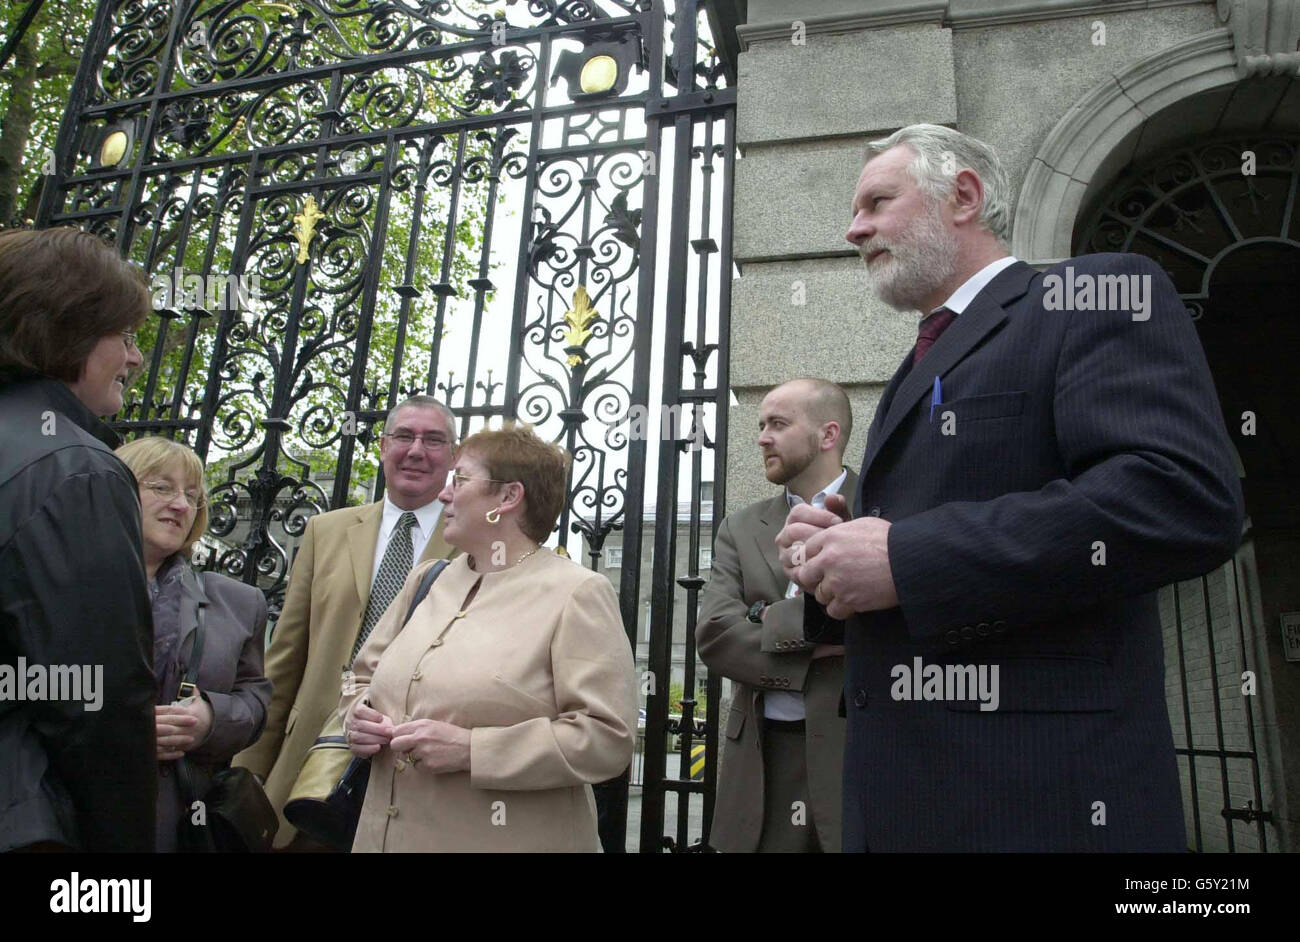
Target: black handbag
(332, 820)
(236, 815)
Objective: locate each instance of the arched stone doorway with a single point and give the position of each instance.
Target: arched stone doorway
(1223, 219)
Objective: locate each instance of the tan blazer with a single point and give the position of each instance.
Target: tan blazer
(312, 643)
(771, 656)
(540, 670)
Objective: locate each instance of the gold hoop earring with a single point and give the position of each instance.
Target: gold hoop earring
(493, 516)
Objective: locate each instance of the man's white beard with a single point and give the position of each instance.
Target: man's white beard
(917, 265)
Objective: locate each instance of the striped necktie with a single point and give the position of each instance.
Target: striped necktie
(393, 570)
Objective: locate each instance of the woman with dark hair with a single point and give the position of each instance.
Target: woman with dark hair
(77, 762)
(510, 692)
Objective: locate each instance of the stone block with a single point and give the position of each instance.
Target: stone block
(793, 201)
(840, 332)
(1013, 79)
(833, 85)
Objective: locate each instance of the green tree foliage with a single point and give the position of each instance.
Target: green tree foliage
(33, 94)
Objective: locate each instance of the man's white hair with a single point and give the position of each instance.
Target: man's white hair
(940, 154)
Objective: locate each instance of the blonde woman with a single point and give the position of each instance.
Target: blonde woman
(510, 691)
(207, 725)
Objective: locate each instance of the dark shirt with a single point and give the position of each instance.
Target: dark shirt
(165, 601)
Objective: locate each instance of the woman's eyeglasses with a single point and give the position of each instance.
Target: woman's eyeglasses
(457, 479)
(166, 491)
(129, 338)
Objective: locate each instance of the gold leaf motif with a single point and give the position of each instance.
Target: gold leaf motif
(578, 318)
(304, 227)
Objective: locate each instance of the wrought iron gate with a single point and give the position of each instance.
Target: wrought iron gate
(457, 197)
(1191, 209)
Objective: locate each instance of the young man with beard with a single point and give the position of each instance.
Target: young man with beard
(1032, 476)
(350, 566)
(779, 786)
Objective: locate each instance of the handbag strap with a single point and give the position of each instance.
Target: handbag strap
(191, 678)
(426, 582)
(189, 687)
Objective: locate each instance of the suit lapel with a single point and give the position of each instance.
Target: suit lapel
(363, 534)
(437, 547)
(770, 521)
(192, 598)
(873, 433)
(982, 316)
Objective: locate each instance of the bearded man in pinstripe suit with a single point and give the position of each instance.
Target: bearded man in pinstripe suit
(1049, 455)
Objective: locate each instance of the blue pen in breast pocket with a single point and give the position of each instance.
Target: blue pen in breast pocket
(936, 397)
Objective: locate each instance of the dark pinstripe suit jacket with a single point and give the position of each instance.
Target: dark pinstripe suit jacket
(1069, 429)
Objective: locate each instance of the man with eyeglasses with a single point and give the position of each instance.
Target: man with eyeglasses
(350, 566)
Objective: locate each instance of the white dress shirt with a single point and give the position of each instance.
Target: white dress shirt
(784, 704)
(426, 521)
(963, 296)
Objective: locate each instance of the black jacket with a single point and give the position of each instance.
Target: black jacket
(72, 592)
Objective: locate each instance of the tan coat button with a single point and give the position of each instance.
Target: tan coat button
(392, 811)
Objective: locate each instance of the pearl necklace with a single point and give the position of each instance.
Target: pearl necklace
(525, 556)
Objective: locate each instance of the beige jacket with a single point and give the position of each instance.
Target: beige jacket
(539, 668)
(312, 642)
(758, 658)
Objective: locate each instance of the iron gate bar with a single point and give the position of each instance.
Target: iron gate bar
(365, 63)
(443, 287)
(665, 550)
(1218, 707)
(1187, 720)
(1263, 815)
(340, 141)
(370, 283)
(408, 291)
(498, 166)
(69, 129)
(722, 392)
(526, 222)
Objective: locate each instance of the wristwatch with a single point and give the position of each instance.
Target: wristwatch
(755, 613)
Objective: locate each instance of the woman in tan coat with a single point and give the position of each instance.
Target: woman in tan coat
(510, 690)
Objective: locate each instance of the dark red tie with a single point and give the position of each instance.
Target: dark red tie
(929, 332)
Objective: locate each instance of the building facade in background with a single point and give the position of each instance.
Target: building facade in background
(1165, 127)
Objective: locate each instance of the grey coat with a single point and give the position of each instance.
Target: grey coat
(231, 679)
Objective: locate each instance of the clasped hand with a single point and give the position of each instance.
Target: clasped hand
(181, 726)
(431, 745)
(842, 563)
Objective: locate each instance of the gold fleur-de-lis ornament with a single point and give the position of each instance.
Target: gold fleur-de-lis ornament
(578, 320)
(304, 227)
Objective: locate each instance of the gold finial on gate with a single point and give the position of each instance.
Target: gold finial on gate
(304, 227)
(578, 318)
